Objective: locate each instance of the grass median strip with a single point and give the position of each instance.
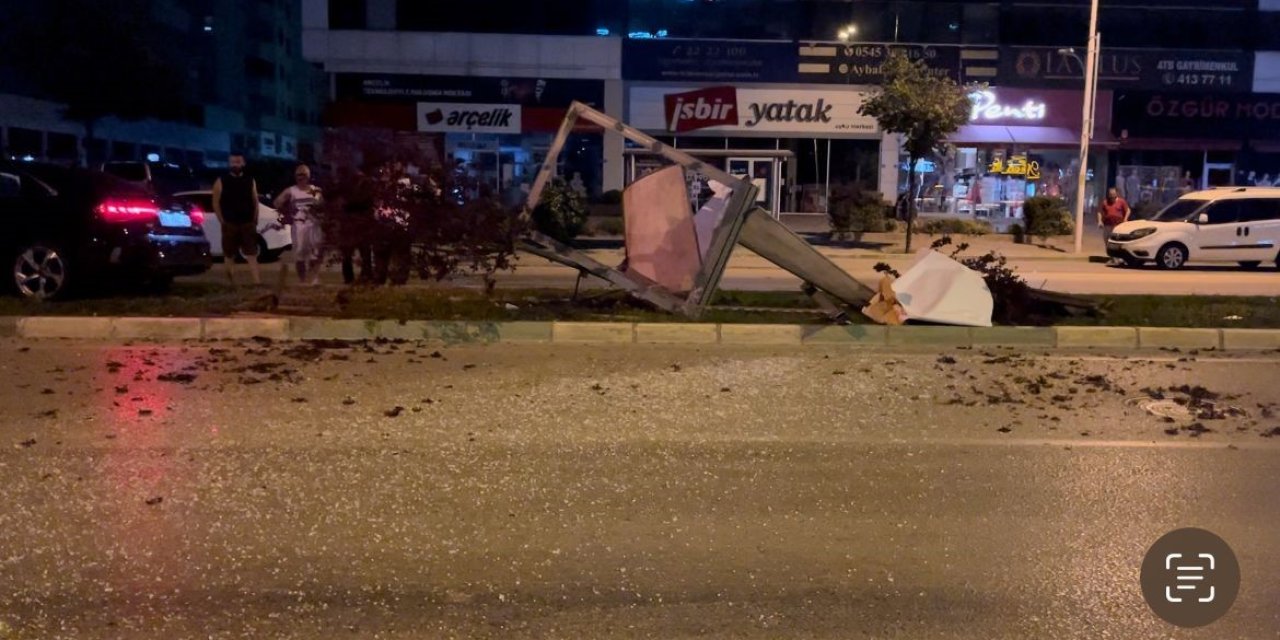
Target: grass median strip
(203, 299)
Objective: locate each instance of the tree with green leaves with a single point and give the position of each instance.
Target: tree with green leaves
(921, 107)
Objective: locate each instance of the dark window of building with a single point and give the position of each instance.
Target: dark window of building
(749, 19)
(1045, 25)
(95, 150)
(256, 67)
(980, 24)
(347, 14)
(1266, 30)
(123, 150)
(24, 142)
(62, 146)
(551, 17)
(1168, 28)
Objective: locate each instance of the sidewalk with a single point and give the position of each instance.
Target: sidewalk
(885, 246)
(814, 228)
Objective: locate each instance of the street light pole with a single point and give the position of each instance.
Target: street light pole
(1086, 122)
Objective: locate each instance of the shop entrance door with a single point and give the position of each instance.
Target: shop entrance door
(763, 173)
(1218, 174)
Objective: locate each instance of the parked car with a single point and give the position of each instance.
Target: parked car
(274, 237)
(160, 178)
(1231, 224)
(65, 228)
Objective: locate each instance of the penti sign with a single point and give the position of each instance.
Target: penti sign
(988, 108)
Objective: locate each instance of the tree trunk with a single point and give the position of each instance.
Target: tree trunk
(911, 199)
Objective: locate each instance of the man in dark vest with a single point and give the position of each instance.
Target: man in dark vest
(235, 202)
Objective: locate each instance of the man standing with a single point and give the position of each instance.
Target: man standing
(353, 226)
(1112, 211)
(235, 203)
(301, 200)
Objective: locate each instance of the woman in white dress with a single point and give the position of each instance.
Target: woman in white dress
(303, 200)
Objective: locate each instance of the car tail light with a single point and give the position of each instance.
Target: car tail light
(197, 215)
(128, 211)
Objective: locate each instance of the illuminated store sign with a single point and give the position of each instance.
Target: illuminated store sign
(987, 107)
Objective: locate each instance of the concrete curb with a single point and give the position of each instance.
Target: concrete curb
(679, 333)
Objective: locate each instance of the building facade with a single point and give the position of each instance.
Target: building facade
(244, 86)
(770, 90)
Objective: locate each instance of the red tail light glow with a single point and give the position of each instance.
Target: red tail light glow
(128, 211)
(197, 215)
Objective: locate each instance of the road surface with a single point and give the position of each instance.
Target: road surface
(407, 491)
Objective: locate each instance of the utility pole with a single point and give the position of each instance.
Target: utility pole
(1086, 121)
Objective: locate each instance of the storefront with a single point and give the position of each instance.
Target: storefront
(793, 142)
(1196, 141)
(1019, 143)
(498, 130)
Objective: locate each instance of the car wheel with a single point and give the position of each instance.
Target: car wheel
(1250, 264)
(1172, 256)
(40, 272)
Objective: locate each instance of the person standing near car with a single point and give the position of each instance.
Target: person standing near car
(1112, 211)
(302, 201)
(235, 203)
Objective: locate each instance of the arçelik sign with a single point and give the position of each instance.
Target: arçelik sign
(468, 118)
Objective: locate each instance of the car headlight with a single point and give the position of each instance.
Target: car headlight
(1142, 233)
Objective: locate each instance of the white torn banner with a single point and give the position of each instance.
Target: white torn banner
(940, 290)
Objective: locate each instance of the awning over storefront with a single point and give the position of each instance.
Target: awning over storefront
(983, 134)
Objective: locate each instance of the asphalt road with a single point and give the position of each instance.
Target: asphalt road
(275, 491)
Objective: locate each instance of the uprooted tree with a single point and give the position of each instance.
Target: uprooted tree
(417, 214)
(922, 107)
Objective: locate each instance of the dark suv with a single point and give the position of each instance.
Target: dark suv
(64, 228)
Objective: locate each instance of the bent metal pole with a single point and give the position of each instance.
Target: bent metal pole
(1086, 122)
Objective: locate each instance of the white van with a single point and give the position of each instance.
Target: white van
(1227, 224)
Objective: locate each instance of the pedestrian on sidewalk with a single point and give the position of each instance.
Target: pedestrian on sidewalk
(300, 203)
(235, 203)
(1112, 211)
